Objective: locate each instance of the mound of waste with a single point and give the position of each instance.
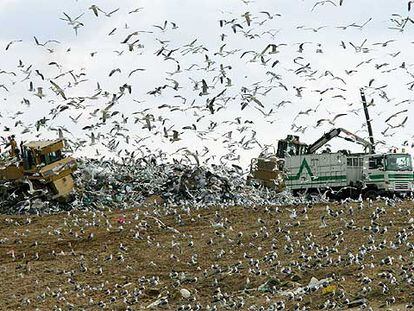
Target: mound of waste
(107, 184)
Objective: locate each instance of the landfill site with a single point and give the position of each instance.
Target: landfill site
(147, 240)
(206, 155)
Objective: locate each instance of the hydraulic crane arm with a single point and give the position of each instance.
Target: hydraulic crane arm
(355, 138)
(369, 126)
(323, 140)
(335, 133)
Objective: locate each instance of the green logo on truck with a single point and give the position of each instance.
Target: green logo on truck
(304, 165)
(315, 179)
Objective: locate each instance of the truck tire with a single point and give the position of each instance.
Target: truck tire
(313, 194)
(299, 192)
(370, 194)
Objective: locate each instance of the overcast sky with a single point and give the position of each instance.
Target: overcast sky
(329, 80)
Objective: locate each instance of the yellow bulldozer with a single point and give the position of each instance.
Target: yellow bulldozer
(38, 166)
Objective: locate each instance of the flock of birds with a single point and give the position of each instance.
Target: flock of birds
(203, 99)
(199, 101)
(219, 258)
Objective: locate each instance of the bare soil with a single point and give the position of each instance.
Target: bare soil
(129, 259)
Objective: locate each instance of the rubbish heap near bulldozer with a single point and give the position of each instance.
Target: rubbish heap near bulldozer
(299, 168)
(37, 168)
(102, 184)
(39, 178)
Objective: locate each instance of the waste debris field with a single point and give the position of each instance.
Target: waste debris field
(329, 255)
(122, 186)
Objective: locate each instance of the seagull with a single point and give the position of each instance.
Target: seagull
(40, 93)
(136, 10)
(358, 48)
(384, 44)
(400, 124)
(395, 114)
(74, 22)
(323, 2)
(4, 87)
(95, 9)
(114, 71)
(11, 43)
(269, 16)
(45, 43)
(135, 70)
(58, 90)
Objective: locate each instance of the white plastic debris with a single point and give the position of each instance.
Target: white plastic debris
(185, 293)
(314, 284)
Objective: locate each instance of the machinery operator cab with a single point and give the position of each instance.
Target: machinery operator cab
(391, 162)
(41, 153)
(31, 159)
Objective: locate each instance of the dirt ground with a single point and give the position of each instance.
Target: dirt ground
(210, 258)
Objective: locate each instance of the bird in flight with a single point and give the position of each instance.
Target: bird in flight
(323, 2)
(11, 43)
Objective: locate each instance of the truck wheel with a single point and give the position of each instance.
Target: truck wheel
(313, 195)
(371, 194)
(299, 193)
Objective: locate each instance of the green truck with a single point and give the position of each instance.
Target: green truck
(302, 168)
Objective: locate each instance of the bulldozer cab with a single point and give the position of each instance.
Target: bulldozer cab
(44, 160)
(41, 152)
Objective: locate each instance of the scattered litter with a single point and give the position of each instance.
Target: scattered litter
(314, 285)
(270, 286)
(161, 302)
(185, 293)
(357, 303)
(329, 289)
(106, 184)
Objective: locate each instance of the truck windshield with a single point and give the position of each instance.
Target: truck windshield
(398, 162)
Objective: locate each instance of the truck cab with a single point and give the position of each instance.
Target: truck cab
(388, 173)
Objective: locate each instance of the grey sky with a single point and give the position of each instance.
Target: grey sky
(23, 19)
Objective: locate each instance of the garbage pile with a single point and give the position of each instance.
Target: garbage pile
(107, 184)
(122, 185)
